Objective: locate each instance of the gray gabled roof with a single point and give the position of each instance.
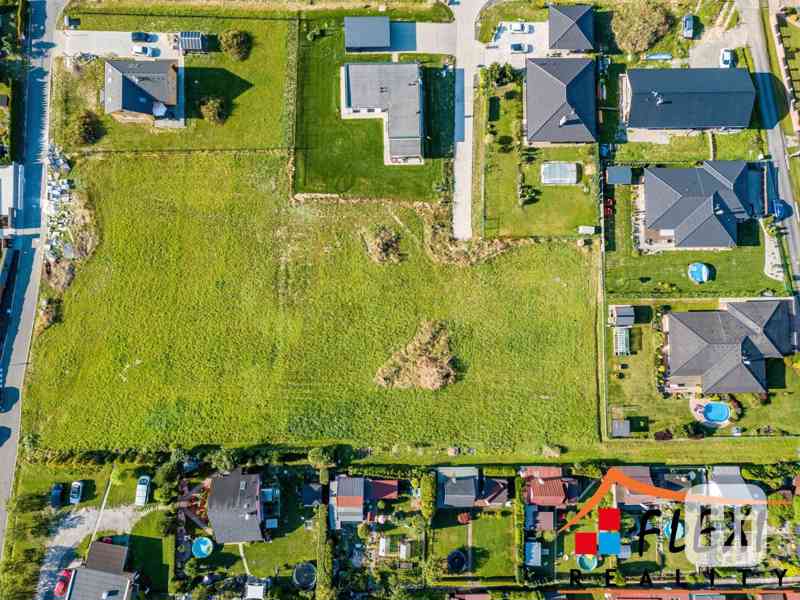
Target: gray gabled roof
(135, 85)
(91, 584)
(395, 88)
(690, 98)
(234, 507)
(702, 205)
(726, 348)
(457, 487)
(366, 33)
(560, 100)
(571, 27)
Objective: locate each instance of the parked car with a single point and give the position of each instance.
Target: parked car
(56, 494)
(518, 28)
(62, 583)
(143, 51)
(140, 36)
(727, 59)
(688, 26)
(76, 492)
(142, 490)
(520, 48)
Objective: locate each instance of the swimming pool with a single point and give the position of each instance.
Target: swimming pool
(587, 562)
(716, 412)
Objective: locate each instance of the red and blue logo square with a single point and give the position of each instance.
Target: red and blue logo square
(607, 541)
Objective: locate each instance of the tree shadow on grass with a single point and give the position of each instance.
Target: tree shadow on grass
(147, 553)
(203, 82)
(439, 111)
(776, 374)
(748, 234)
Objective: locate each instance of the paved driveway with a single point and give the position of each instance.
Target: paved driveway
(106, 43)
(427, 38)
(499, 50)
(705, 52)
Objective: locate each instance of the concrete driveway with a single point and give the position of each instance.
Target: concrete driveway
(499, 50)
(427, 38)
(116, 43)
(706, 51)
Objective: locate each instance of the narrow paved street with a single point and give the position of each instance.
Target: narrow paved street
(27, 222)
(751, 20)
(469, 55)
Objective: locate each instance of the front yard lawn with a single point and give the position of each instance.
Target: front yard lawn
(153, 554)
(346, 156)
(557, 210)
(252, 90)
(737, 272)
(250, 311)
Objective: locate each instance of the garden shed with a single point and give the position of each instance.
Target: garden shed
(559, 173)
(620, 428)
(621, 315)
(619, 176)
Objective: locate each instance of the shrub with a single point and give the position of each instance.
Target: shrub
(84, 129)
(236, 43)
(213, 110)
(222, 460)
(324, 456)
(638, 24)
(428, 496)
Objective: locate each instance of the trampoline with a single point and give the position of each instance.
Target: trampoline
(456, 561)
(587, 562)
(699, 273)
(304, 576)
(202, 547)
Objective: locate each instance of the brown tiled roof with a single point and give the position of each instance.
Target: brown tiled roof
(382, 489)
(543, 472)
(546, 492)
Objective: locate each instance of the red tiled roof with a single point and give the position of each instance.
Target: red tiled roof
(541, 472)
(383, 489)
(546, 492)
(354, 501)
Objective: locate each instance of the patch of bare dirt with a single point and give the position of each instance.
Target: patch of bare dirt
(383, 244)
(60, 272)
(425, 363)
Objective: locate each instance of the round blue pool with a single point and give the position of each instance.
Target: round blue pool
(679, 533)
(587, 562)
(699, 273)
(716, 412)
(202, 547)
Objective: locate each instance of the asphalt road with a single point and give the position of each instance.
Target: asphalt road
(27, 222)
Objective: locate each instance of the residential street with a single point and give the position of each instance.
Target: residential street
(28, 221)
(751, 19)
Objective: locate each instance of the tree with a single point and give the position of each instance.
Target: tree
(322, 456)
(213, 110)
(192, 569)
(363, 530)
(223, 459)
(236, 43)
(164, 494)
(84, 129)
(637, 24)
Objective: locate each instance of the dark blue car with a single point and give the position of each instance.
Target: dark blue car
(56, 494)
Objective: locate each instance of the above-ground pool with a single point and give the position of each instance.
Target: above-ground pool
(587, 562)
(699, 273)
(679, 533)
(716, 412)
(202, 547)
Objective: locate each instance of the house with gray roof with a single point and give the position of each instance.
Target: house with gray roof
(725, 351)
(687, 99)
(698, 207)
(347, 500)
(571, 27)
(234, 507)
(367, 34)
(392, 92)
(560, 101)
(103, 575)
(140, 90)
(457, 487)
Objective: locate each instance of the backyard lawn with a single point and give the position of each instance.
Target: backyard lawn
(493, 544)
(556, 210)
(346, 156)
(447, 535)
(737, 272)
(253, 90)
(153, 554)
(256, 321)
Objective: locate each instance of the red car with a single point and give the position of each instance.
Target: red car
(608, 211)
(62, 583)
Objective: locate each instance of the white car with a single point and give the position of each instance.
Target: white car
(143, 51)
(76, 492)
(142, 490)
(518, 28)
(520, 48)
(727, 59)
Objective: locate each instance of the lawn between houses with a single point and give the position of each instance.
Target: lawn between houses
(557, 210)
(346, 156)
(255, 321)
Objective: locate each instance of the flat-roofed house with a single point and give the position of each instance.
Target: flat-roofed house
(367, 34)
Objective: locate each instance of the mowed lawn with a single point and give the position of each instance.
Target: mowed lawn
(253, 89)
(212, 312)
(736, 272)
(346, 156)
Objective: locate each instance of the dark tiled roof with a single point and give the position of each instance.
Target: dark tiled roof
(366, 33)
(234, 507)
(571, 27)
(560, 100)
(135, 85)
(109, 558)
(690, 98)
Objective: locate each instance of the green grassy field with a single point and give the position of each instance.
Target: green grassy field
(493, 544)
(346, 156)
(152, 553)
(557, 210)
(252, 90)
(254, 321)
(738, 272)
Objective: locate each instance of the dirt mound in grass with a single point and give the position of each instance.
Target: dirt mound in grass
(383, 244)
(425, 363)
